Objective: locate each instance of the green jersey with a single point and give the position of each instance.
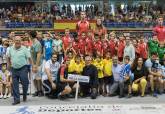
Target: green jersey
(161, 51)
(153, 46)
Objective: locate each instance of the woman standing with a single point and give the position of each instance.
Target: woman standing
(100, 29)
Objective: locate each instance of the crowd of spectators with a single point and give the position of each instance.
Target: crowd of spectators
(45, 13)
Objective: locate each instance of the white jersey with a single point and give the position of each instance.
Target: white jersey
(54, 68)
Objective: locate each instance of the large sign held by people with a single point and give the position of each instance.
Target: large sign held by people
(79, 78)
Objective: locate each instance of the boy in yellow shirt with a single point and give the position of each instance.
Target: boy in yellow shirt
(79, 65)
(98, 62)
(107, 70)
(71, 67)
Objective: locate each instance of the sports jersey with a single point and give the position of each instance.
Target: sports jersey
(107, 67)
(99, 66)
(54, 69)
(48, 48)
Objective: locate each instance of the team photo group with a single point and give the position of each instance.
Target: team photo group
(117, 64)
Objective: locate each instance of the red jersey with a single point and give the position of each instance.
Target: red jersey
(98, 47)
(100, 31)
(75, 46)
(160, 31)
(137, 51)
(120, 49)
(105, 46)
(89, 45)
(112, 46)
(66, 40)
(143, 50)
(82, 26)
(81, 46)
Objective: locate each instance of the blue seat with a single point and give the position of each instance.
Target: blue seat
(33, 24)
(19, 25)
(11, 25)
(26, 24)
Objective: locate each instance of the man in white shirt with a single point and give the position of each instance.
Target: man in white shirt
(129, 50)
(50, 76)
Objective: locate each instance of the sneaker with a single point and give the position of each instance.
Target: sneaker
(155, 94)
(5, 96)
(35, 94)
(9, 95)
(1, 96)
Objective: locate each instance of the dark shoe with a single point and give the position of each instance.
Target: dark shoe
(61, 97)
(35, 94)
(121, 96)
(70, 96)
(40, 94)
(16, 102)
(129, 96)
(24, 98)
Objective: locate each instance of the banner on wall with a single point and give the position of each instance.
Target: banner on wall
(85, 109)
(60, 25)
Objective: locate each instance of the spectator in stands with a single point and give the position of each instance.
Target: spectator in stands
(90, 70)
(18, 57)
(140, 76)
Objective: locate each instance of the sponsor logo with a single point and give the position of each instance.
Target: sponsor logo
(23, 110)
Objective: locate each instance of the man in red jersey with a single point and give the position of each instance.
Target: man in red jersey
(112, 44)
(120, 47)
(75, 44)
(104, 44)
(81, 43)
(83, 25)
(159, 30)
(66, 40)
(98, 49)
(143, 49)
(89, 44)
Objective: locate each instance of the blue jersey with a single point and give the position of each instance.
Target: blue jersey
(1, 51)
(126, 70)
(48, 49)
